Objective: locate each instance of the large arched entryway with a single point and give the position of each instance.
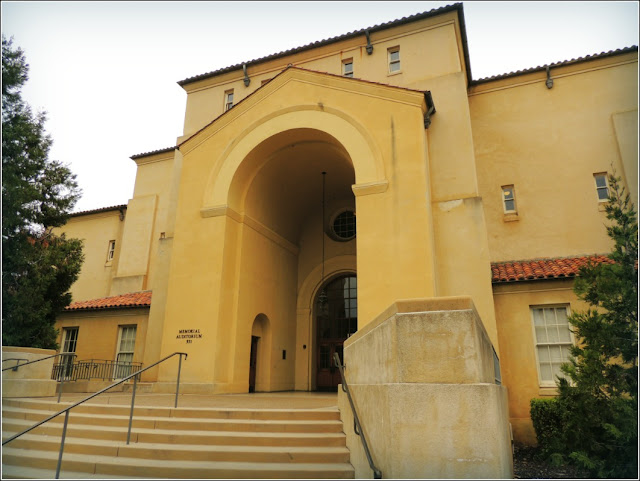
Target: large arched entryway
(336, 316)
(297, 214)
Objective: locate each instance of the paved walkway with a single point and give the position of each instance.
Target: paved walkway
(275, 400)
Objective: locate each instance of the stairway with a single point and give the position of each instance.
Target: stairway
(174, 443)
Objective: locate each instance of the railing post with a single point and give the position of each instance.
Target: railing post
(60, 388)
(178, 383)
(64, 435)
(133, 400)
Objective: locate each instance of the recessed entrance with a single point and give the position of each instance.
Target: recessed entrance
(336, 312)
(253, 361)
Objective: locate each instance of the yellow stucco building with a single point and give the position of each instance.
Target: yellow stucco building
(314, 188)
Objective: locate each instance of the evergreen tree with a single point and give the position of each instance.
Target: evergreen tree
(38, 267)
(600, 403)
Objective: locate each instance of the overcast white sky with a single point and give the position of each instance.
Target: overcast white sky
(106, 72)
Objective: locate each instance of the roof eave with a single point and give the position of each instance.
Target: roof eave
(99, 210)
(564, 63)
(375, 28)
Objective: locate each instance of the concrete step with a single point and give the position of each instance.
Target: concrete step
(146, 435)
(169, 443)
(170, 469)
(252, 425)
(23, 472)
(180, 452)
(190, 412)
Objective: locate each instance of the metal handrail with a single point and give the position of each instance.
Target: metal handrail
(17, 359)
(357, 428)
(94, 369)
(37, 360)
(133, 398)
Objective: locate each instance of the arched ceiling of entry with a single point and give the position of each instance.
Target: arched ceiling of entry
(285, 186)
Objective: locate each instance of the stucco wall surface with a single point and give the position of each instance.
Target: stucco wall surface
(548, 144)
(95, 230)
(517, 339)
(98, 331)
(33, 380)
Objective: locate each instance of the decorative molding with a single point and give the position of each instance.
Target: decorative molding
(257, 226)
(219, 210)
(370, 188)
(269, 234)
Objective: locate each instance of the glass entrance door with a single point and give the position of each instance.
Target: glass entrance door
(336, 319)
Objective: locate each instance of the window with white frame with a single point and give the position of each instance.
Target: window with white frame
(553, 340)
(111, 250)
(602, 186)
(228, 100)
(70, 337)
(347, 67)
(126, 344)
(509, 199)
(394, 59)
(69, 344)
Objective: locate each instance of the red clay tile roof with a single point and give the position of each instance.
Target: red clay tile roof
(513, 271)
(557, 268)
(101, 209)
(132, 299)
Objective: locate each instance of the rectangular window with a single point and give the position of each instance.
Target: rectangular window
(553, 339)
(126, 345)
(69, 344)
(70, 339)
(602, 186)
(111, 250)
(509, 199)
(394, 59)
(347, 67)
(228, 100)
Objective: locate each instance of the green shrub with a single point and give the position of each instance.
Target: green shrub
(548, 423)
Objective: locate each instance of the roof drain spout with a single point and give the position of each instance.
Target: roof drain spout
(369, 46)
(549, 82)
(431, 109)
(247, 80)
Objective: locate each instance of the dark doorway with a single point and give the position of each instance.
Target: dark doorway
(336, 319)
(253, 357)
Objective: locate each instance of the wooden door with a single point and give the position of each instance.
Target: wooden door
(328, 376)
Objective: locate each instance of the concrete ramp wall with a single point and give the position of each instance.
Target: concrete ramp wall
(423, 382)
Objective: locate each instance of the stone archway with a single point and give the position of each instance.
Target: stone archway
(235, 168)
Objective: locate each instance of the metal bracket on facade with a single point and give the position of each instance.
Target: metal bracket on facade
(549, 82)
(247, 80)
(431, 109)
(369, 46)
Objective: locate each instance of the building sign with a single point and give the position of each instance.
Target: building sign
(189, 335)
